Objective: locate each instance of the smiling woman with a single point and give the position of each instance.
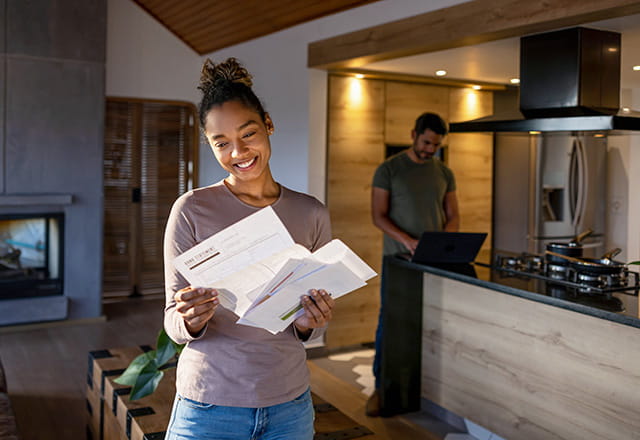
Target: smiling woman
(233, 380)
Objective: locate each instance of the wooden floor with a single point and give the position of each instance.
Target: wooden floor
(46, 369)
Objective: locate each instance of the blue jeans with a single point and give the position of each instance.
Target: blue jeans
(193, 420)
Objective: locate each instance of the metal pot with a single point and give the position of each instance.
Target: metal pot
(599, 266)
(571, 249)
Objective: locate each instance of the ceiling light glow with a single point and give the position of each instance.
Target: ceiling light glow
(514, 80)
(441, 72)
(476, 87)
(636, 68)
(359, 75)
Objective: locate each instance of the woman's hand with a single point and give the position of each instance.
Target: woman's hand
(317, 311)
(196, 305)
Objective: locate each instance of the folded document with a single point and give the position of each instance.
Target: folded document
(261, 274)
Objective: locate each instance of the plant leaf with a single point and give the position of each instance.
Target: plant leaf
(166, 348)
(147, 381)
(634, 262)
(130, 375)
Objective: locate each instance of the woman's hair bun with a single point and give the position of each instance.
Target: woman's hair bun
(224, 82)
(217, 75)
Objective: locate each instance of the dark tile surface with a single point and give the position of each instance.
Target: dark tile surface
(54, 120)
(70, 29)
(2, 122)
(3, 25)
(54, 143)
(3, 30)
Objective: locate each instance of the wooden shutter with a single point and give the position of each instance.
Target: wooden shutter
(149, 160)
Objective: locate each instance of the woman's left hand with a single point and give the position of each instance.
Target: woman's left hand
(317, 311)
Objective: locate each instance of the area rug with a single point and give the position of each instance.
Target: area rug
(354, 367)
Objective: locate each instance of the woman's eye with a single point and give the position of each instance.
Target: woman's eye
(221, 144)
(249, 134)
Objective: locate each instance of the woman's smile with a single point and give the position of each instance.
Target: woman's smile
(247, 164)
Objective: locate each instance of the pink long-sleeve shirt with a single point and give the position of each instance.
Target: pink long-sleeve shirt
(231, 364)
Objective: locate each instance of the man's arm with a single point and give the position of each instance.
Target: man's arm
(381, 219)
(450, 205)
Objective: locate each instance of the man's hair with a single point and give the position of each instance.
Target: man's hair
(431, 121)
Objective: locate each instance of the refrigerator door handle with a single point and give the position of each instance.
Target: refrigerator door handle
(582, 183)
(573, 177)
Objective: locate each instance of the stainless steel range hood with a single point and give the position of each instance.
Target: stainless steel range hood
(515, 121)
(569, 81)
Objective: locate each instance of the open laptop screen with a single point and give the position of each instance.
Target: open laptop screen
(448, 247)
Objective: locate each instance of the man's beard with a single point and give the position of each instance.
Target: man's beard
(422, 155)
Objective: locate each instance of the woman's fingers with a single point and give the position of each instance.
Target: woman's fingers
(318, 306)
(196, 305)
(189, 297)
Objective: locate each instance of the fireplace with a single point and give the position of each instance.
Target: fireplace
(31, 255)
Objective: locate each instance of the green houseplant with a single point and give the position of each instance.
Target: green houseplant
(146, 371)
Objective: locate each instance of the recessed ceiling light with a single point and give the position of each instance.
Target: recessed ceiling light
(514, 80)
(359, 75)
(625, 109)
(534, 132)
(441, 72)
(476, 87)
(636, 67)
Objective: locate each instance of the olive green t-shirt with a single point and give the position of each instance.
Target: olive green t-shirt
(416, 195)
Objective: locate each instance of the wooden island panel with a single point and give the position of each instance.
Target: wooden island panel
(527, 370)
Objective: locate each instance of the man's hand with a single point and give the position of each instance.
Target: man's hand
(410, 243)
(318, 307)
(196, 305)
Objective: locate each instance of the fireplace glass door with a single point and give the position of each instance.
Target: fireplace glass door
(31, 247)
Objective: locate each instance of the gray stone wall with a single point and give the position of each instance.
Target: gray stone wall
(52, 75)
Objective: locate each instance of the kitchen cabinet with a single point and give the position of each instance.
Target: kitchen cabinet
(365, 116)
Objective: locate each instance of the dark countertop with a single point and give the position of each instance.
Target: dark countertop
(617, 307)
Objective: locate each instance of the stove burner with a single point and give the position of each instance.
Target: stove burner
(588, 278)
(555, 268)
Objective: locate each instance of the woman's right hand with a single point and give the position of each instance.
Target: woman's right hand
(196, 305)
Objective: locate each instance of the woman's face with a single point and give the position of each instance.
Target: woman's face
(239, 140)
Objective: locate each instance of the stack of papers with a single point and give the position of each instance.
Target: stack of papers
(261, 274)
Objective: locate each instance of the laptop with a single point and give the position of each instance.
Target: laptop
(448, 247)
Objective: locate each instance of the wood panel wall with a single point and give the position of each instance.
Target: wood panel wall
(365, 114)
(356, 148)
(527, 370)
(470, 156)
(405, 102)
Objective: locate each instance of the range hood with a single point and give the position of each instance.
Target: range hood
(569, 81)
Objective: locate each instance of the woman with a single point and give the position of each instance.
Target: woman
(235, 381)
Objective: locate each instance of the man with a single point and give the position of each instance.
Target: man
(412, 192)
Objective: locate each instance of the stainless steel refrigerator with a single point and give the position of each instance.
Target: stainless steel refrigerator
(549, 187)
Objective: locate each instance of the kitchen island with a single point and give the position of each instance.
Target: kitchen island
(524, 364)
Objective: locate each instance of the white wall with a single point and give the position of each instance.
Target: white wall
(146, 60)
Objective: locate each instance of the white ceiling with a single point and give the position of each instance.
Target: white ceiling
(498, 61)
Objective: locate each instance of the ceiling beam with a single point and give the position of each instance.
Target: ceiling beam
(473, 22)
